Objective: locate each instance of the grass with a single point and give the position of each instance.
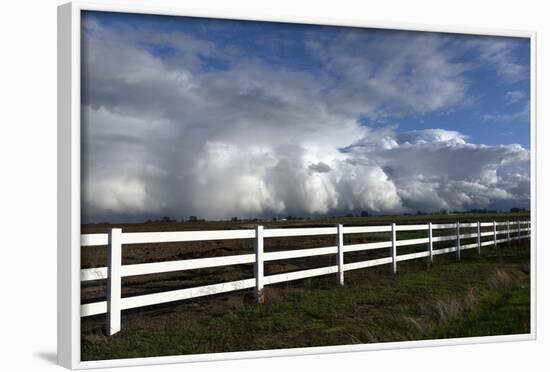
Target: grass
(479, 296)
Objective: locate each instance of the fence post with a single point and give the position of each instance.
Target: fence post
(393, 249)
(508, 231)
(519, 230)
(259, 265)
(114, 262)
(340, 254)
(458, 241)
(478, 237)
(495, 233)
(430, 242)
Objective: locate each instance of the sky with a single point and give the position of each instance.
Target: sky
(215, 118)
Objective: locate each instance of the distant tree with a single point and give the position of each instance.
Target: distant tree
(193, 219)
(167, 219)
(234, 219)
(364, 214)
(479, 211)
(443, 211)
(349, 215)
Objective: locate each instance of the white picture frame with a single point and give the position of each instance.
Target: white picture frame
(69, 185)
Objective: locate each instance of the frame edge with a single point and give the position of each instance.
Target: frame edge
(534, 182)
(68, 350)
(68, 193)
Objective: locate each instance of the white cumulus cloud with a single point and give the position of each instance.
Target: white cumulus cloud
(161, 137)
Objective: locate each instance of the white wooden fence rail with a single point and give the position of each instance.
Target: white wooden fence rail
(116, 238)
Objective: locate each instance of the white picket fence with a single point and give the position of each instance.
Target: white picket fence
(114, 271)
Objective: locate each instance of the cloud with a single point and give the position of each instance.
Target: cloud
(385, 72)
(499, 52)
(514, 96)
(431, 172)
(163, 135)
(432, 136)
(320, 167)
(522, 116)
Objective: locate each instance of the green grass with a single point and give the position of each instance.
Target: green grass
(479, 296)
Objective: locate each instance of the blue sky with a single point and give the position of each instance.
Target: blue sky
(487, 115)
(330, 96)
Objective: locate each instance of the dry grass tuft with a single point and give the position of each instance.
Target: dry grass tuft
(415, 324)
(443, 311)
(447, 310)
(499, 279)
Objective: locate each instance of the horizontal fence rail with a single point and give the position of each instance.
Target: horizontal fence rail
(116, 238)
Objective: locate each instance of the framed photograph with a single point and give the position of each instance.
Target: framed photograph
(235, 186)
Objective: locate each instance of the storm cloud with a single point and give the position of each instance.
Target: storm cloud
(174, 124)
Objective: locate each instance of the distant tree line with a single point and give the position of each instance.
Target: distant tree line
(167, 219)
(518, 210)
